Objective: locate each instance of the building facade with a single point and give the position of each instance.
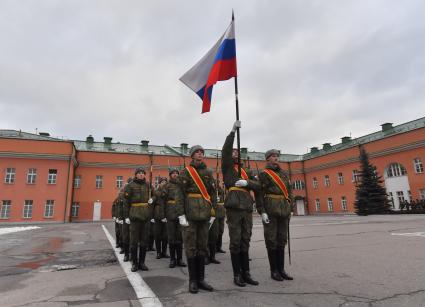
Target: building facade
(48, 179)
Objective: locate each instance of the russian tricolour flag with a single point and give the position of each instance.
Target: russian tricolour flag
(218, 64)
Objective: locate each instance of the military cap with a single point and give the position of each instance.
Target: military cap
(195, 148)
(162, 179)
(139, 170)
(172, 170)
(272, 152)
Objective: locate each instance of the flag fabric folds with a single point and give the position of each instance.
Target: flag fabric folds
(218, 64)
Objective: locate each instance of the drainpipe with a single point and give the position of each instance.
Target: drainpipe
(305, 185)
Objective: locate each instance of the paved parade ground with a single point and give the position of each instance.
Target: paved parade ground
(336, 261)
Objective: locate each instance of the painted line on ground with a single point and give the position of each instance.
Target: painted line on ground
(409, 234)
(7, 230)
(146, 296)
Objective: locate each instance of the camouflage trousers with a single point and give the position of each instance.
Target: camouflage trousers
(160, 231)
(139, 233)
(125, 232)
(213, 233)
(174, 231)
(240, 230)
(220, 224)
(118, 231)
(195, 238)
(276, 232)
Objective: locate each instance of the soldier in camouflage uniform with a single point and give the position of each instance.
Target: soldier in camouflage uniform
(125, 227)
(115, 217)
(239, 207)
(138, 212)
(195, 199)
(160, 228)
(220, 215)
(174, 231)
(274, 204)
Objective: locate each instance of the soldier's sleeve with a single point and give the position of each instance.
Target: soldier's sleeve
(226, 157)
(182, 181)
(260, 193)
(253, 184)
(126, 202)
(212, 191)
(113, 208)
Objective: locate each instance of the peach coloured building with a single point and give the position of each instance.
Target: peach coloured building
(48, 179)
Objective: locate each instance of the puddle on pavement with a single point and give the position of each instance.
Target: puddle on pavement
(36, 263)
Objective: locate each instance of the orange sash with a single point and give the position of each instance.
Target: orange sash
(244, 175)
(279, 182)
(199, 183)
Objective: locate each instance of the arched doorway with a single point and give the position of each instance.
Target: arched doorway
(397, 184)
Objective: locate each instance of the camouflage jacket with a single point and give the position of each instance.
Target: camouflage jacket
(168, 198)
(136, 195)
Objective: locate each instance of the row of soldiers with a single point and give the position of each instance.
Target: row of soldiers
(192, 203)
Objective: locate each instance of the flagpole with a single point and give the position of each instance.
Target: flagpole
(238, 134)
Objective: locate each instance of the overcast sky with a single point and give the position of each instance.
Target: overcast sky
(310, 72)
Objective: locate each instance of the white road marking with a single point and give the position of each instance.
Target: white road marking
(410, 234)
(146, 296)
(7, 230)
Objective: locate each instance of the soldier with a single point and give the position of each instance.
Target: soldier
(220, 215)
(195, 199)
(160, 228)
(174, 231)
(138, 212)
(274, 205)
(239, 206)
(125, 227)
(117, 223)
(150, 229)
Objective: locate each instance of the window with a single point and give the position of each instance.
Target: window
(9, 178)
(77, 181)
(48, 209)
(31, 176)
(330, 205)
(75, 208)
(5, 209)
(391, 199)
(343, 203)
(340, 178)
(419, 167)
(327, 181)
(315, 182)
(51, 179)
(422, 193)
(410, 196)
(400, 196)
(396, 170)
(317, 205)
(120, 181)
(298, 185)
(28, 209)
(99, 181)
(355, 176)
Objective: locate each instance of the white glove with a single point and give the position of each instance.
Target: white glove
(212, 219)
(114, 218)
(164, 220)
(241, 183)
(118, 221)
(152, 220)
(265, 218)
(150, 201)
(127, 221)
(183, 221)
(236, 125)
(218, 199)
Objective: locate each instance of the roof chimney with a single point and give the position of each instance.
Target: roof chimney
(145, 144)
(108, 140)
(244, 152)
(44, 133)
(90, 139)
(345, 139)
(314, 150)
(387, 127)
(184, 147)
(326, 146)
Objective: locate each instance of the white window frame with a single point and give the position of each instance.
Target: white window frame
(344, 203)
(315, 183)
(5, 209)
(52, 176)
(31, 176)
(10, 175)
(75, 209)
(77, 181)
(330, 204)
(422, 193)
(317, 204)
(49, 208)
(391, 199)
(327, 181)
(418, 166)
(396, 170)
(355, 177)
(27, 209)
(340, 178)
(120, 182)
(400, 196)
(99, 181)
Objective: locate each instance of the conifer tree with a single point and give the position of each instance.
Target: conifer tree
(371, 196)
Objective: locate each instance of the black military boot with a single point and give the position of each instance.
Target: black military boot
(236, 265)
(193, 283)
(172, 256)
(164, 250)
(158, 249)
(212, 255)
(219, 245)
(273, 265)
(142, 258)
(117, 242)
(126, 252)
(200, 262)
(151, 242)
(281, 263)
(245, 269)
(179, 253)
(134, 262)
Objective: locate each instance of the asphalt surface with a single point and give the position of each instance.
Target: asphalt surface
(336, 261)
